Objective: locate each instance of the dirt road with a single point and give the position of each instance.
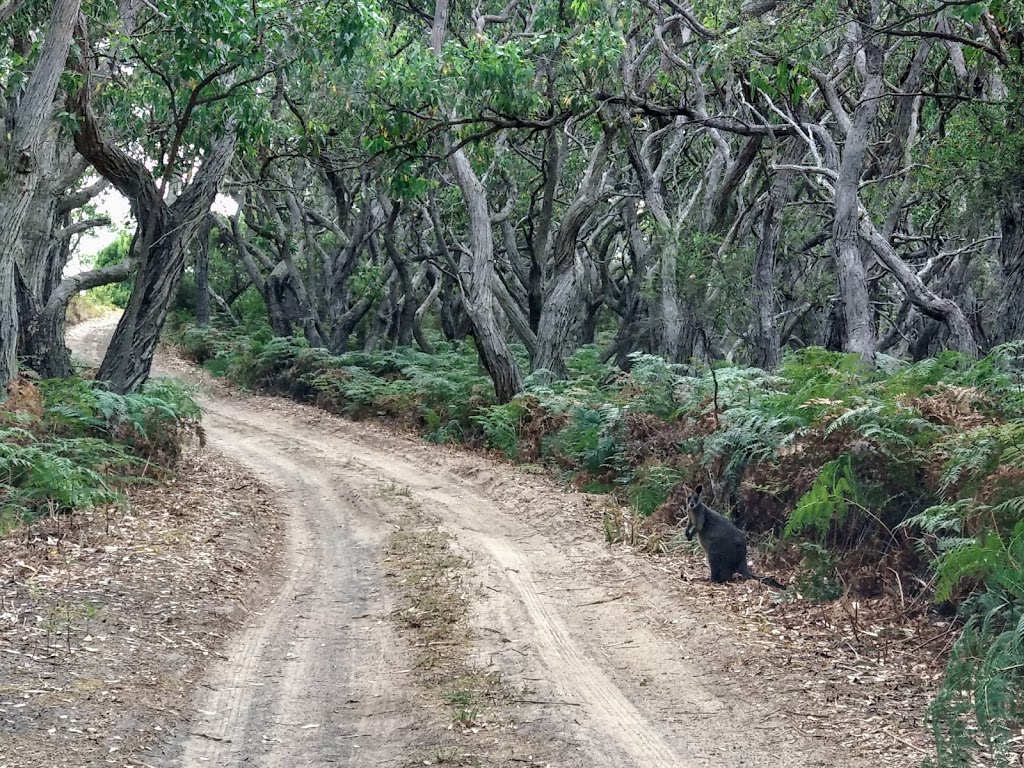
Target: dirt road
(322, 679)
(611, 669)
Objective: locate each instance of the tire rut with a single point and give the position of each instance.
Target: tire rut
(317, 677)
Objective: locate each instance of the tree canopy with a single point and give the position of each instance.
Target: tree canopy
(701, 181)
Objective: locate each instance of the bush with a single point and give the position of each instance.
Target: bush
(89, 443)
(114, 294)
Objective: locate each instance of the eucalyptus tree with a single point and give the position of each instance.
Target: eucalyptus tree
(715, 181)
(204, 73)
(60, 212)
(504, 127)
(32, 73)
(830, 104)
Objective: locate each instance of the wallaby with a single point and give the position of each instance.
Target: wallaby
(723, 543)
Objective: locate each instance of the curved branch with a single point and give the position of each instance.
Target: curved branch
(81, 226)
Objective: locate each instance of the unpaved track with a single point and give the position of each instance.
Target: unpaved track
(318, 665)
(627, 677)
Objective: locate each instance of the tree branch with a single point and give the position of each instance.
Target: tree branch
(81, 226)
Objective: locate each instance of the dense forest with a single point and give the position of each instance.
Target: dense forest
(775, 247)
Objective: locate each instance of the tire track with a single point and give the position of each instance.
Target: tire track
(627, 736)
(306, 684)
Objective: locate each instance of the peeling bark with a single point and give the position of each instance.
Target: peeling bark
(21, 166)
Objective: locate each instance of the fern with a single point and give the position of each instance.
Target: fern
(984, 680)
(747, 435)
(38, 476)
(941, 520)
(656, 381)
(652, 487)
(593, 438)
(827, 503)
(501, 425)
(88, 444)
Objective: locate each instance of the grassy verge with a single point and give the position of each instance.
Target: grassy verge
(84, 307)
(433, 613)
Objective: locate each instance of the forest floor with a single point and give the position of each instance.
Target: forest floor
(429, 606)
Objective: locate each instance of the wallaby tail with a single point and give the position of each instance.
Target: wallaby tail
(763, 579)
(770, 582)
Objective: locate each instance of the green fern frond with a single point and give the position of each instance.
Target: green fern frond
(827, 502)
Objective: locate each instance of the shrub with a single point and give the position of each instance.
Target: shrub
(89, 443)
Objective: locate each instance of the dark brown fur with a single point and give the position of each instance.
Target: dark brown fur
(723, 543)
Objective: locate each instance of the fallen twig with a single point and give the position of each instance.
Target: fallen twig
(602, 600)
(541, 701)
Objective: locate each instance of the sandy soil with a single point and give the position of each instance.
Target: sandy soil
(611, 667)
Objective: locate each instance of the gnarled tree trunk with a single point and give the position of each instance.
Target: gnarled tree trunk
(476, 277)
(202, 272)
(476, 267)
(21, 168)
(1010, 323)
(765, 350)
(564, 298)
(165, 234)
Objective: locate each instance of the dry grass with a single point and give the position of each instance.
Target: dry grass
(434, 602)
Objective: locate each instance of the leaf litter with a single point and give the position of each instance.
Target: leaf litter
(108, 616)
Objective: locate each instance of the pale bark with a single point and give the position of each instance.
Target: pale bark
(476, 269)
(859, 332)
(765, 351)
(563, 300)
(476, 278)
(1010, 323)
(945, 310)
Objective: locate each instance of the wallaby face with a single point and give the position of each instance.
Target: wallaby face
(724, 544)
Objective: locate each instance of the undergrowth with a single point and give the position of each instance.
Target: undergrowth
(70, 444)
(909, 468)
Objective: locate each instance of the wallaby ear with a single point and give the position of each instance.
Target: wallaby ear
(697, 490)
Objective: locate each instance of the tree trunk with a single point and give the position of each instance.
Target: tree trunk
(853, 282)
(476, 269)
(20, 168)
(476, 276)
(165, 233)
(169, 231)
(202, 267)
(1010, 325)
(947, 311)
(405, 311)
(765, 351)
(671, 336)
(342, 269)
(764, 338)
(46, 352)
(454, 324)
(565, 297)
(435, 288)
(345, 325)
